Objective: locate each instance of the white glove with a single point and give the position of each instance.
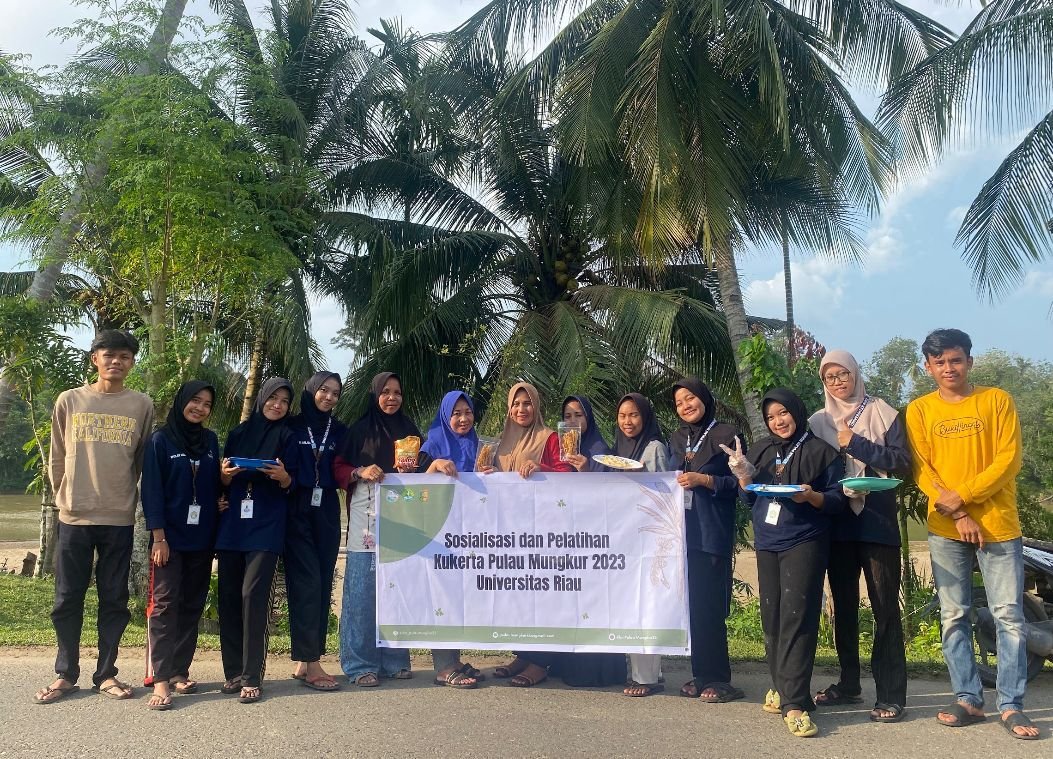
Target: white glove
(737, 462)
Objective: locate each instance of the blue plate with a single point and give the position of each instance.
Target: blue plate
(775, 489)
(251, 463)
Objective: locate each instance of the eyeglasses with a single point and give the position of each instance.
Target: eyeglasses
(837, 378)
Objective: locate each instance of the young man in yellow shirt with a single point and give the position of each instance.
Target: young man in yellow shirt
(967, 449)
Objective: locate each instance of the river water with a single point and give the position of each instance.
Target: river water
(19, 517)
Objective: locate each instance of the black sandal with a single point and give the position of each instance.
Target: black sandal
(457, 679)
(511, 669)
(470, 671)
(231, 686)
(690, 689)
(648, 689)
(725, 692)
(1018, 719)
(832, 695)
(962, 716)
(897, 712)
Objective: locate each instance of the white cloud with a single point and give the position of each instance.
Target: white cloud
(818, 290)
(1039, 283)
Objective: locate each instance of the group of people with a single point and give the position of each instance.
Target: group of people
(961, 441)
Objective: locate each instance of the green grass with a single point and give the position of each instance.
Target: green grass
(25, 606)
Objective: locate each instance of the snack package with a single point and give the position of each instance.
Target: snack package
(406, 451)
(569, 440)
(484, 457)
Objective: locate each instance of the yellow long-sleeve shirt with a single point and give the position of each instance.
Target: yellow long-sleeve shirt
(972, 447)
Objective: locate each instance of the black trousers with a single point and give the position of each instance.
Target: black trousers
(312, 541)
(709, 603)
(880, 565)
(246, 582)
(791, 591)
(77, 546)
(176, 599)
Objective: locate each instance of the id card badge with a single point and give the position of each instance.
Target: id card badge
(193, 515)
(689, 500)
(246, 508)
(772, 517)
(316, 497)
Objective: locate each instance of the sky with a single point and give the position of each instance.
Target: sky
(912, 280)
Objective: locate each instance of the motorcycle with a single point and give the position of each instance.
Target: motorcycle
(1038, 615)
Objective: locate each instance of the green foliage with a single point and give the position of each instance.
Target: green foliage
(769, 369)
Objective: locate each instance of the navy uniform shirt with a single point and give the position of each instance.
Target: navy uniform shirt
(170, 485)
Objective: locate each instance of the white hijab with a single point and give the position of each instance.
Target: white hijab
(872, 424)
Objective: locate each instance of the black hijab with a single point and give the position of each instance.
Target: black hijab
(371, 439)
(258, 437)
(687, 434)
(811, 458)
(310, 416)
(592, 442)
(633, 447)
(191, 439)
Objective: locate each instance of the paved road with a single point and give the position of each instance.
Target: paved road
(414, 718)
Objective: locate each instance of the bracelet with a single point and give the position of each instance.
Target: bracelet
(160, 540)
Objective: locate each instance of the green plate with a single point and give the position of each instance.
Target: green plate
(871, 484)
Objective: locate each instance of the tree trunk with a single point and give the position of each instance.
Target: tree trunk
(56, 252)
(791, 351)
(252, 381)
(738, 329)
(48, 533)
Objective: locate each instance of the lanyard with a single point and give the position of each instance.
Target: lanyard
(193, 479)
(859, 412)
(317, 449)
(690, 452)
(780, 463)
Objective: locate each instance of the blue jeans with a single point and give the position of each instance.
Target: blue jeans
(1002, 567)
(359, 653)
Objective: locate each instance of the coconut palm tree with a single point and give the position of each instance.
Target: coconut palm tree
(996, 79)
(684, 99)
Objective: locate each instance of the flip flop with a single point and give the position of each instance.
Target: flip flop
(322, 683)
(123, 691)
(230, 687)
(832, 695)
(161, 706)
(648, 689)
(470, 671)
(457, 679)
(367, 680)
(242, 699)
(1018, 719)
(725, 692)
(801, 727)
(62, 693)
(772, 703)
(511, 669)
(690, 689)
(402, 674)
(525, 681)
(962, 717)
(184, 687)
(897, 712)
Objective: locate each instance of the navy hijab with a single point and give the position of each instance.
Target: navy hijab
(592, 442)
(444, 443)
(809, 461)
(688, 434)
(259, 437)
(633, 447)
(191, 439)
(310, 415)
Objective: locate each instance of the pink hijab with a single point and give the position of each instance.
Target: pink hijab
(872, 424)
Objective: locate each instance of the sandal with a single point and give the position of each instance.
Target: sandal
(725, 692)
(368, 680)
(159, 703)
(642, 690)
(116, 690)
(897, 712)
(526, 681)
(1018, 719)
(232, 686)
(247, 696)
(690, 690)
(402, 674)
(183, 687)
(511, 669)
(457, 679)
(322, 682)
(470, 671)
(801, 727)
(772, 702)
(962, 716)
(832, 695)
(47, 695)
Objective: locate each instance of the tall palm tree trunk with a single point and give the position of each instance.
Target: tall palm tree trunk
(252, 381)
(787, 277)
(738, 329)
(56, 252)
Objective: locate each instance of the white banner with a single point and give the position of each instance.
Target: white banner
(557, 562)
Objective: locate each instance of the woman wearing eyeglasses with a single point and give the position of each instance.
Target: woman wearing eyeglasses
(873, 441)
